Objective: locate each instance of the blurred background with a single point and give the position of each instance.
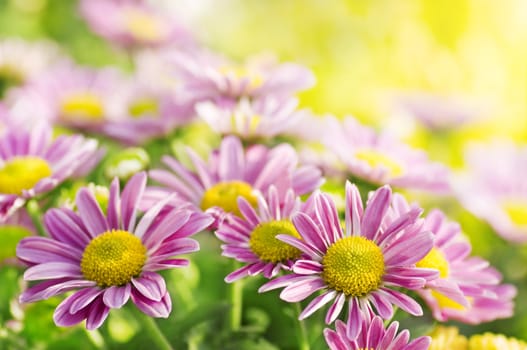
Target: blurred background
(372, 59)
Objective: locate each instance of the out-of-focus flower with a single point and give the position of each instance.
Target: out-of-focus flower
(208, 77)
(494, 187)
(22, 60)
(12, 230)
(265, 117)
(108, 258)
(374, 336)
(467, 289)
(251, 237)
(380, 159)
(144, 110)
(359, 264)
(231, 172)
(489, 341)
(135, 23)
(31, 163)
(73, 96)
(448, 338)
(438, 112)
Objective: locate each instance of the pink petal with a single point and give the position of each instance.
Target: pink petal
(403, 301)
(307, 267)
(83, 298)
(354, 210)
(375, 211)
(90, 213)
(151, 285)
(354, 324)
(310, 232)
(114, 203)
(63, 318)
(236, 275)
(52, 270)
(115, 297)
(152, 308)
(335, 308)
(96, 315)
(130, 198)
(299, 290)
(317, 303)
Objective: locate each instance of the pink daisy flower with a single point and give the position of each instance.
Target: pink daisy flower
(360, 264)
(21, 61)
(134, 23)
(147, 111)
(31, 163)
(73, 96)
(463, 280)
(381, 159)
(262, 118)
(231, 172)
(494, 187)
(438, 112)
(109, 258)
(465, 284)
(207, 76)
(374, 336)
(251, 237)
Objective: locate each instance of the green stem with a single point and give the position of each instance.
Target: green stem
(152, 329)
(301, 332)
(236, 300)
(35, 214)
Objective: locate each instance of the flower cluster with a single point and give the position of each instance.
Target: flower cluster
(330, 228)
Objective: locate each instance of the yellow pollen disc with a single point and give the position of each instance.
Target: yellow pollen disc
(225, 195)
(143, 107)
(435, 260)
(489, 341)
(447, 303)
(22, 173)
(142, 25)
(83, 105)
(448, 338)
(353, 266)
(517, 212)
(263, 241)
(113, 258)
(376, 160)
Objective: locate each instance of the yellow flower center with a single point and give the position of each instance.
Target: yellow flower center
(113, 258)
(83, 105)
(376, 160)
(22, 173)
(489, 341)
(225, 195)
(446, 302)
(435, 260)
(142, 25)
(354, 266)
(263, 241)
(145, 106)
(448, 338)
(517, 211)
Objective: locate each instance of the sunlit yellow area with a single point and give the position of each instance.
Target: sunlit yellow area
(365, 53)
